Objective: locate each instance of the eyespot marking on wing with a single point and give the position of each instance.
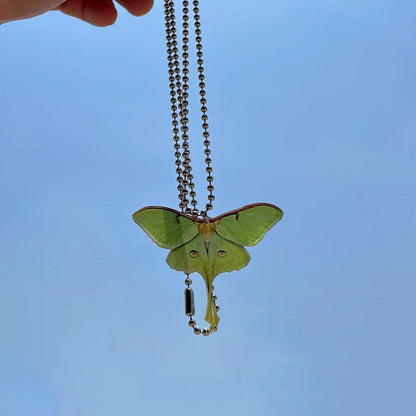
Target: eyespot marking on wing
(193, 253)
(222, 253)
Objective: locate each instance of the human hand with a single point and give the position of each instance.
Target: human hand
(96, 12)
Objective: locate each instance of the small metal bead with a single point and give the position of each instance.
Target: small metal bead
(217, 308)
(191, 323)
(205, 332)
(188, 281)
(197, 330)
(179, 79)
(214, 297)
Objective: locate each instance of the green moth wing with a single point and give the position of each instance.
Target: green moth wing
(208, 246)
(225, 256)
(190, 257)
(248, 225)
(167, 227)
(209, 257)
(193, 257)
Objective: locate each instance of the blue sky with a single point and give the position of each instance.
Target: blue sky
(312, 107)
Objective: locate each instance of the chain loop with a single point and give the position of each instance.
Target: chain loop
(190, 310)
(178, 84)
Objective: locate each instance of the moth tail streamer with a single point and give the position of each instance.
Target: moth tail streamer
(211, 315)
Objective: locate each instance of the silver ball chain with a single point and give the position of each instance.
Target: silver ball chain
(190, 309)
(178, 84)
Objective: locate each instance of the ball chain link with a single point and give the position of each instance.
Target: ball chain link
(192, 323)
(179, 87)
(177, 99)
(203, 102)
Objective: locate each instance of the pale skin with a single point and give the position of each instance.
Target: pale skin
(96, 12)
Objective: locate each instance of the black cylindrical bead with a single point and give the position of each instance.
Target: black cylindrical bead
(189, 302)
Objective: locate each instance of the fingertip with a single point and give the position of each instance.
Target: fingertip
(99, 13)
(137, 7)
(146, 6)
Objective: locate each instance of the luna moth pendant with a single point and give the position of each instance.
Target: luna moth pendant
(208, 246)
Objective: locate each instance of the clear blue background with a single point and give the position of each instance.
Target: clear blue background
(312, 107)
